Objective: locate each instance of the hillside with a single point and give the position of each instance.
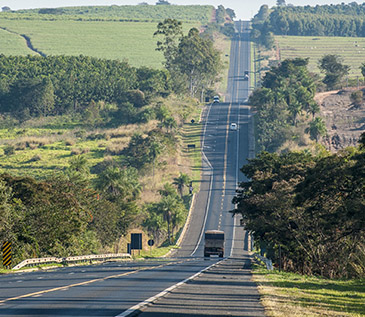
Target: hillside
(351, 49)
(111, 32)
(345, 122)
(191, 13)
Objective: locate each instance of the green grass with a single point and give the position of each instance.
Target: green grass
(132, 41)
(200, 13)
(11, 43)
(289, 294)
(352, 49)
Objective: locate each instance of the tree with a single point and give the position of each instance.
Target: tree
(198, 60)
(180, 182)
(171, 32)
(317, 129)
(280, 3)
(5, 9)
(333, 68)
(119, 184)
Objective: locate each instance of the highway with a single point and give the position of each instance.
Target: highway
(122, 288)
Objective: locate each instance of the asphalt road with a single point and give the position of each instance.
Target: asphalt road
(113, 288)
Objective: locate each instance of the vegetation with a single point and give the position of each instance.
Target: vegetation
(332, 66)
(40, 86)
(132, 41)
(287, 91)
(196, 13)
(290, 294)
(325, 20)
(192, 59)
(306, 211)
(314, 48)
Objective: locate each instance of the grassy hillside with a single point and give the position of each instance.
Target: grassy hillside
(201, 13)
(133, 41)
(352, 49)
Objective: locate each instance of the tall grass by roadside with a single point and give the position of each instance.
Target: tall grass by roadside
(289, 294)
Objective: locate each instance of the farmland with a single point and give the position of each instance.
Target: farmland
(192, 13)
(352, 49)
(132, 41)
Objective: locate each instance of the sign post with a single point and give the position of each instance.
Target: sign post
(150, 242)
(6, 254)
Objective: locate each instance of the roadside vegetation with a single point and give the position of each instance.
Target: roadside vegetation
(290, 294)
(304, 205)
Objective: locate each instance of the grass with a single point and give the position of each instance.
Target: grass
(352, 49)
(289, 294)
(132, 41)
(200, 13)
(11, 43)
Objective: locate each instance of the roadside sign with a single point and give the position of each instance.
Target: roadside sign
(136, 241)
(6, 253)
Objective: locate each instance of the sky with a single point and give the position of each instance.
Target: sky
(245, 9)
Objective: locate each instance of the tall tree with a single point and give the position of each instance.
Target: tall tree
(333, 68)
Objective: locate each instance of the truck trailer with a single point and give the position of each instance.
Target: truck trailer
(214, 243)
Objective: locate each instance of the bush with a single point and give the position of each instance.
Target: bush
(9, 150)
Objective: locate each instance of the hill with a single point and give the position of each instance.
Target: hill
(351, 49)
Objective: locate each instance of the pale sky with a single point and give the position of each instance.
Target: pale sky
(244, 9)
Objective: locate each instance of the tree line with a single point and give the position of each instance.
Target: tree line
(55, 85)
(71, 213)
(307, 212)
(325, 20)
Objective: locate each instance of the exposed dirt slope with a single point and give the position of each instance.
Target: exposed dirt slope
(344, 121)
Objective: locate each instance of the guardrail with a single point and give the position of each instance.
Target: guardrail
(268, 262)
(69, 259)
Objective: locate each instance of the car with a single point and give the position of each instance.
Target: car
(233, 126)
(216, 99)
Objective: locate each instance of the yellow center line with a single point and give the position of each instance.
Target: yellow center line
(84, 283)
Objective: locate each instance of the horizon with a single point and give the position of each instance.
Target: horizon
(244, 10)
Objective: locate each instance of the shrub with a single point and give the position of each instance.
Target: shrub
(35, 158)
(9, 150)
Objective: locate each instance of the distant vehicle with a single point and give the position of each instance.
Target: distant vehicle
(214, 243)
(246, 77)
(233, 126)
(216, 99)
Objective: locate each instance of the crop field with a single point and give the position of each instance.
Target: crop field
(193, 13)
(352, 49)
(132, 41)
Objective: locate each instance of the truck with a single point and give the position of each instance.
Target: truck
(214, 243)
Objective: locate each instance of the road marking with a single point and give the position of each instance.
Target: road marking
(64, 288)
(163, 293)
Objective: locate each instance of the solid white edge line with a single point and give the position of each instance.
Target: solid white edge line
(210, 186)
(134, 308)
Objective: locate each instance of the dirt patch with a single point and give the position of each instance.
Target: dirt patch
(345, 122)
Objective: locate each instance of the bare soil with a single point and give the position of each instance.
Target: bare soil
(345, 121)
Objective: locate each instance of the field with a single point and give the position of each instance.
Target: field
(193, 13)
(132, 41)
(288, 294)
(45, 146)
(352, 49)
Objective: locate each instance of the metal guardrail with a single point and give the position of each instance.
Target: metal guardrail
(267, 262)
(72, 259)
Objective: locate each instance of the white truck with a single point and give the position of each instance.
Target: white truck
(214, 243)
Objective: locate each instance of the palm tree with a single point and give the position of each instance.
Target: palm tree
(181, 181)
(317, 128)
(119, 183)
